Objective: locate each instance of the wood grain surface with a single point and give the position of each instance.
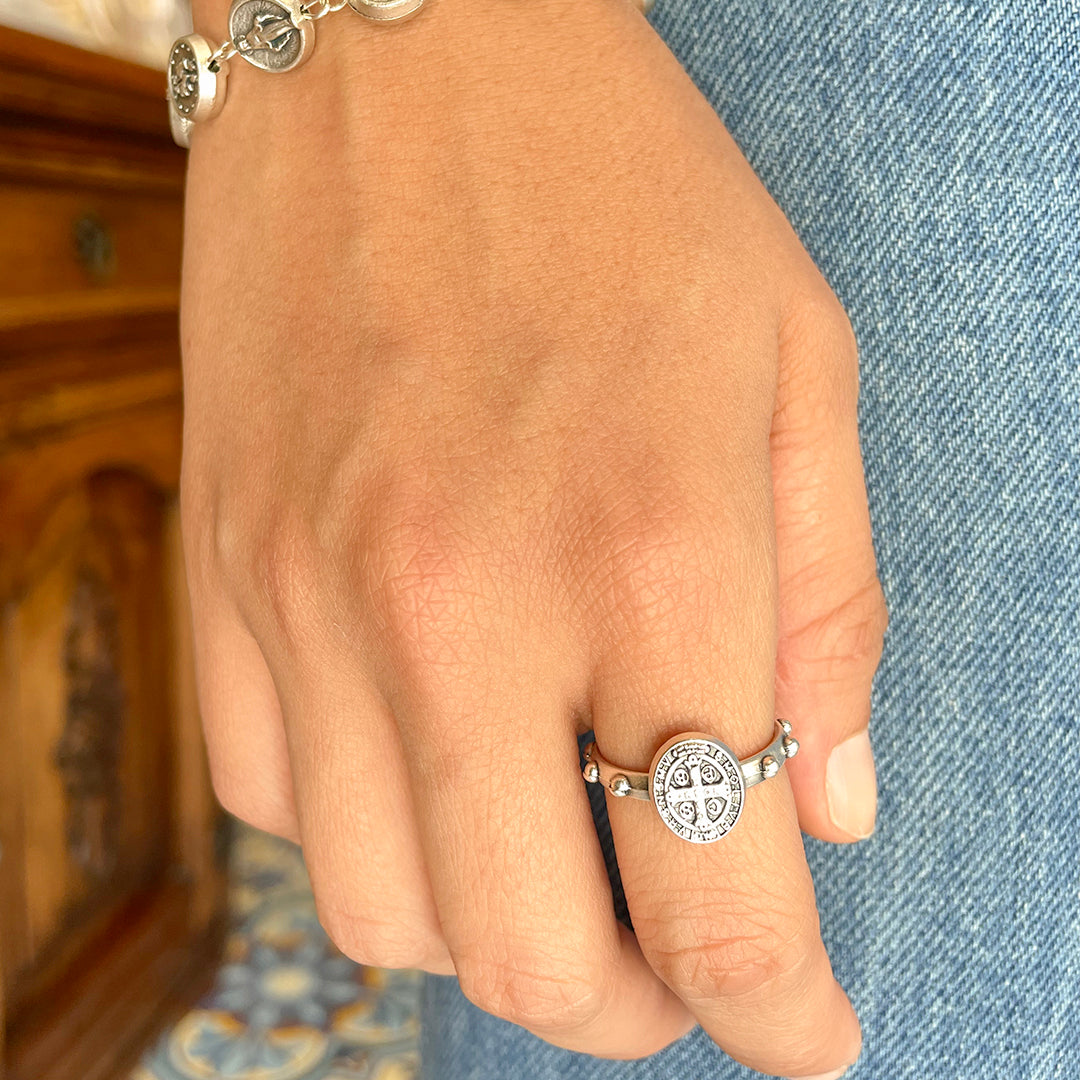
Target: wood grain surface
(111, 887)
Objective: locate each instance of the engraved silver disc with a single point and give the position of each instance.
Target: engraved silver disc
(271, 34)
(386, 10)
(196, 91)
(180, 128)
(697, 786)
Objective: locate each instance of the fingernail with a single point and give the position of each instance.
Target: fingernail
(835, 1075)
(851, 790)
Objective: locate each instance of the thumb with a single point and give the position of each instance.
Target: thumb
(832, 614)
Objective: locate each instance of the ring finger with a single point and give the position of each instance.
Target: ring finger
(357, 824)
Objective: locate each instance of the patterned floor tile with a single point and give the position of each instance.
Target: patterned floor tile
(286, 1005)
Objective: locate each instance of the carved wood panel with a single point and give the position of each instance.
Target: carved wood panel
(88, 641)
(88, 752)
(111, 897)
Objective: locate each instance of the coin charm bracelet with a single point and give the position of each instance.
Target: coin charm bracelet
(696, 783)
(275, 35)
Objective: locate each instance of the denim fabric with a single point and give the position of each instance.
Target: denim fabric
(928, 153)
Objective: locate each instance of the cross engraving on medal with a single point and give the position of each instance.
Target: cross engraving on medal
(698, 794)
(697, 783)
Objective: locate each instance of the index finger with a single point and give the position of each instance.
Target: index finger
(730, 926)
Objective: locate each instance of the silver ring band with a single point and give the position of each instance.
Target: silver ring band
(695, 781)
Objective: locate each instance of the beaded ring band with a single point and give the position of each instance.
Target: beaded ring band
(697, 783)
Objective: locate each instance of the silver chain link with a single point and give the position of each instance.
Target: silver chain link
(224, 52)
(319, 9)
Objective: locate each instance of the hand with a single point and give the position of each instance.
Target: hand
(513, 407)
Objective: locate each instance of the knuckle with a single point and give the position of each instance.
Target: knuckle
(198, 514)
(215, 531)
(846, 635)
(820, 313)
(817, 330)
(424, 582)
(389, 940)
(734, 966)
(735, 943)
(266, 561)
(280, 570)
(535, 992)
(655, 563)
(263, 809)
(655, 556)
(839, 330)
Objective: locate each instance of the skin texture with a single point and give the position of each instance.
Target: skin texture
(514, 407)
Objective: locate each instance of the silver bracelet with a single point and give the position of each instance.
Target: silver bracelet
(275, 35)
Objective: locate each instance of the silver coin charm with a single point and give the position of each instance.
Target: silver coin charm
(180, 128)
(386, 10)
(271, 34)
(196, 88)
(697, 786)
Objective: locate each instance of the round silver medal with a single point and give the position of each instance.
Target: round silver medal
(697, 786)
(271, 34)
(386, 10)
(180, 128)
(196, 89)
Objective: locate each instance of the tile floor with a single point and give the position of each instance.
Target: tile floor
(286, 1005)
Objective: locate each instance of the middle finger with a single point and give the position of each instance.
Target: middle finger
(519, 880)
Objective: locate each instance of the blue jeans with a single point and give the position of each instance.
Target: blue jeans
(928, 154)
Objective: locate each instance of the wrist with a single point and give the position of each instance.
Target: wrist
(498, 54)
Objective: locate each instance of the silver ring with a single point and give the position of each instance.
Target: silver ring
(696, 783)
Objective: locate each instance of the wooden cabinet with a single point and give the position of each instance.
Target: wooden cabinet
(110, 886)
